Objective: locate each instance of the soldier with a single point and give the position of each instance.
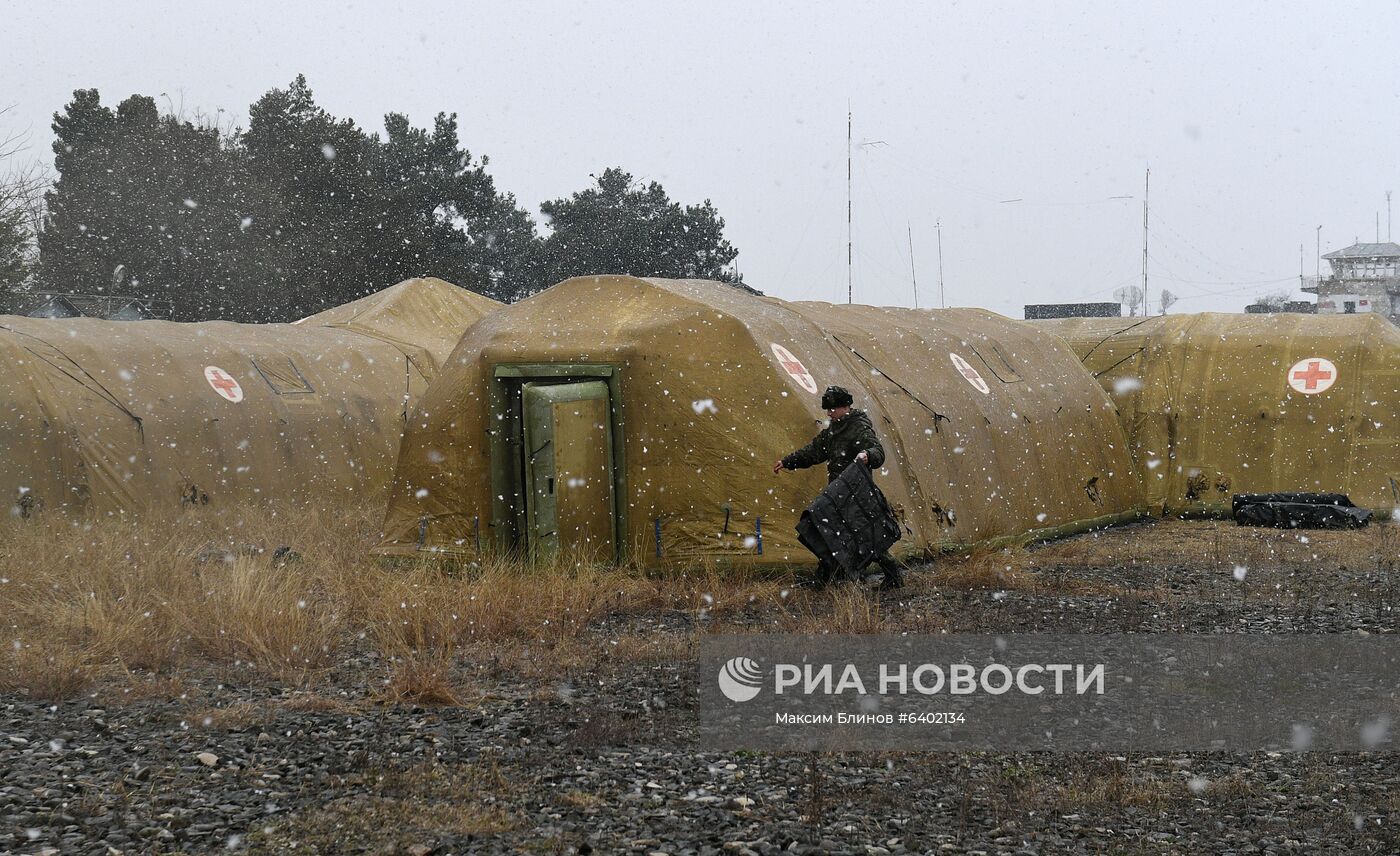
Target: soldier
(849, 437)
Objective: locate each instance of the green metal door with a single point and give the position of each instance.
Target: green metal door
(569, 504)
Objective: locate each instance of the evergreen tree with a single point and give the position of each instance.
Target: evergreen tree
(357, 214)
(445, 213)
(150, 194)
(320, 216)
(82, 132)
(619, 226)
(303, 211)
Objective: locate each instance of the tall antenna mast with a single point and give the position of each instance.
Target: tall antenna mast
(849, 274)
(938, 226)
(1387, 215)
(913, 277)
(1146, 192)
(1318, 274)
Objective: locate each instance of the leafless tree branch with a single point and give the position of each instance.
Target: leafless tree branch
(22, 187)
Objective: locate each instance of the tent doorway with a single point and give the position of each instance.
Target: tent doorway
(568, 470)
(557, 460)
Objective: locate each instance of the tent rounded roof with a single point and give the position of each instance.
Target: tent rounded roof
(1210, 409)
(715, 383)
(111, 416)
(425, 313)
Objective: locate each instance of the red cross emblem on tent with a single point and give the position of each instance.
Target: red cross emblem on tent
(1313, 375)
(223, 383)
(969, 373)
(793, 366)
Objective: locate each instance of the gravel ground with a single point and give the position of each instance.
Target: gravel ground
(602, 760)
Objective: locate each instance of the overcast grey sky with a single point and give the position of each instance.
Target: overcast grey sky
(1259, 122)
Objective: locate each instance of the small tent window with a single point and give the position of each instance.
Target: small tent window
(997, 363)
(283, 376)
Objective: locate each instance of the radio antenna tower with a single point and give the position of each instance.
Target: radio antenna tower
(1146, 192)
(849, 274)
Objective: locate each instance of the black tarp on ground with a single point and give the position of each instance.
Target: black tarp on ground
(848, 524)
(1298, 510)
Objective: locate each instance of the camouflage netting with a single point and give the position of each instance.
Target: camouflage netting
(116, 416)
(1217, 404)
(992, 426)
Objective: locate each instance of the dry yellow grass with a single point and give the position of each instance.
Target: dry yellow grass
(1007, 569)
(1085, 782)
(310, 702)
(846, 610)
(231, 717)
(80, 599)
(148, 598)
(425, 678)
(1223, 544)
(406, 805)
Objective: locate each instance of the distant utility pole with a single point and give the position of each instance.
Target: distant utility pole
(1387, 215)
(1319, 252)
(1146, 192)
(850, 276)
(913, 277)
(938, 226)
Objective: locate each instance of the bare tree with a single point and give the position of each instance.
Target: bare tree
(22, 186)
(1130, 296)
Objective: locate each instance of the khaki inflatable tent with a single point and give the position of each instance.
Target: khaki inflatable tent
(615, 415)
(1217, 404)
(113, 416)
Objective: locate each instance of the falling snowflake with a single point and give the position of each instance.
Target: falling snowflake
(1125, 385)
(1375, 733)
(1302, 737)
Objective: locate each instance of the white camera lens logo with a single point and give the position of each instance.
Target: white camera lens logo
(740, 679)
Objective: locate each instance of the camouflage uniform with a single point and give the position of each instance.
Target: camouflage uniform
(838, 444)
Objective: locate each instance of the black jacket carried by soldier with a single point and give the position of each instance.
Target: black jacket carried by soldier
(838, 444)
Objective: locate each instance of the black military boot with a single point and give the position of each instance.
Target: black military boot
(894, 574)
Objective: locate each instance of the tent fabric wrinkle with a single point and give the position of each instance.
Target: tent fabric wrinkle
(1218, 404)
(992, 428)
(108, 417)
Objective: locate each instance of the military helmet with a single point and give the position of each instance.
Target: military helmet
(836, 396)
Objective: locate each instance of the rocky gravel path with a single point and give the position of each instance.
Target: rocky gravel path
(608, 769)
(602, 760)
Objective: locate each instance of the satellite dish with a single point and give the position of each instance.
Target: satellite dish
(118, 275)
(1167, 300)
